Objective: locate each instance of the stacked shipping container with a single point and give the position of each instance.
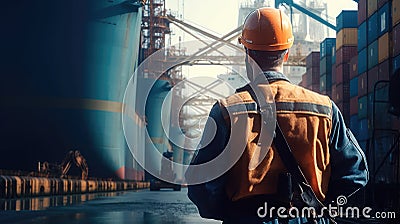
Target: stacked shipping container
(378, 46)
(311, 80)
(346, 49)
(365, 54)
(327, 51)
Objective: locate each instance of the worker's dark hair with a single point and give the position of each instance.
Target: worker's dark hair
(267, 59)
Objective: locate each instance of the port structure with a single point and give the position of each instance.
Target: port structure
(156, 26)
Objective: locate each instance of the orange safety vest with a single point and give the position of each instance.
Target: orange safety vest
(305, 118)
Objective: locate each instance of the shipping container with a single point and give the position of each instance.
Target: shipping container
(362, 36)
(334, 54)
(354, 124)
(381, 3)
(362, 107)
(395, 12)
(343, 92)
(304, 80)
(322, 83)
(346, 37)
(384, 70)
(372, 28)
(326, 83)
(373, 77)
(396, 64)
(354, 87)
(344, 108)
(363, 129)
(354, 107)
(312, 60)
(381, 94)
(372, 7)
(334, 95)
(396, 39)
(325, 65)
(362, 84)
(384, 19)
(380, 118)
(346, 19)
(342, 73)
(314, 87)
(373, 54)
(362, 61)
(333, 74)
(353, 67)
(383, 47)
(326, 47)
(345, 53)
(362, 11)
(312, 76)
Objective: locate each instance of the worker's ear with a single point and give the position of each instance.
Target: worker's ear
(286, 57)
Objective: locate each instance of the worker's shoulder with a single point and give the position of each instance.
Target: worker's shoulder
(242, 96)
(286, 91)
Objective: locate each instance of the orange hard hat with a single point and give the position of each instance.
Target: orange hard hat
(267, 29)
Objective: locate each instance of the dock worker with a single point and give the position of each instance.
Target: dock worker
(327, 153)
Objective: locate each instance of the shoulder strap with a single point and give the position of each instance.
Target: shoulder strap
(288, 159)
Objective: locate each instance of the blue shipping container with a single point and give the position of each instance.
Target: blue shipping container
(362, 36)
(373, 31)
(326, 47)
(346, 19)
(334, 55)
(354, 124)
(362, 107)
(325, 65)
(362, 133)
(384, 18)
(396, 64)
(373, 54)
(322, 83)
(362, 61)
(354, 87)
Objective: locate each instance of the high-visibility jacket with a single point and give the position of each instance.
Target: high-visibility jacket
(327, 151)
(305, 119)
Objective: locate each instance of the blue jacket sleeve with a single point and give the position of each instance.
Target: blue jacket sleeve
(210, 197)
(348, 164)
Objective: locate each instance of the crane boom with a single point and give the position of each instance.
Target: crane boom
(305, 11)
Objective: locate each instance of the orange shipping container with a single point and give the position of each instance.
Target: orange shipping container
(395, 12)
(372, 6)
(383, 47)
(346, 37)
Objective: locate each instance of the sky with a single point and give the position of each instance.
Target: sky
(221, 16)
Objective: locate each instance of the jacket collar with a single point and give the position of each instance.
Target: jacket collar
(273, 76)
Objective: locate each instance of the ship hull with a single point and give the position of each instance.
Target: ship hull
(62, 84)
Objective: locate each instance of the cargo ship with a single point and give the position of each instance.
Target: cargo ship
(64, 69)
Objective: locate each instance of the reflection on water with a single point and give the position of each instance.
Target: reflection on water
(130, 207)
(42, 203)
